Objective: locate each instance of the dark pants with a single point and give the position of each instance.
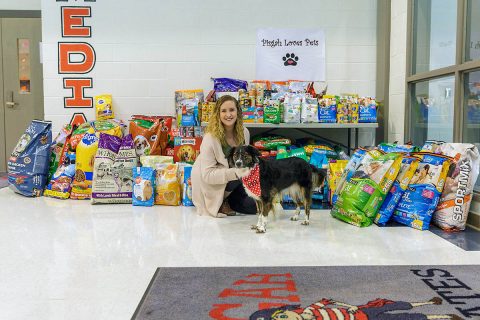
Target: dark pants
(238, 199)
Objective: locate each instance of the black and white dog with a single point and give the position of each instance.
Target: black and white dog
(269, 178)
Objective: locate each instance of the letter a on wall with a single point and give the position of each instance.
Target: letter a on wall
(290, 54)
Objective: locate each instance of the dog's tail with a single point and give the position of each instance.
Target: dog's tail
(318, 176)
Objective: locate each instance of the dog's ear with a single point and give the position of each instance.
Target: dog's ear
(230, 157)
(254, 152)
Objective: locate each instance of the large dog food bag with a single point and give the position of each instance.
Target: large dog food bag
(59, 148)
(452, 210)
(364, 193)
(348, 171)
(187, 187)
(143, 186)
(112, 178)
(150, 134)
(110, 126)
(60, 184)
(335, 172)
(420, 199)
(29, 162)
(407, 170)
(82, 183)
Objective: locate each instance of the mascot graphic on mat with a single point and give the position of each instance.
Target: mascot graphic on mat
(325, 309)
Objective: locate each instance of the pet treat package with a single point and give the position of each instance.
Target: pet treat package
(409, 165)
(309, 110)
(367, 110)
(420, 199)
(153, 161)
(363, 194)
(335, 172)
(229, 85)
(143, 186)
(349, 170)
(293, 107)
(168, 190)
(188, 104)
(110, 126)
(29, 162)
(82, 183)
(327, 109)
(61, 182)
(150, 134)
(59, 148)
(104, 107)
(452, 211)
(393, 147)
(112, 174)
(186, 149)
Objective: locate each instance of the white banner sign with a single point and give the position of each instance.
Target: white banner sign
(290, 54)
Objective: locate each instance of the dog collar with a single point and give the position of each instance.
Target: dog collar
(252, 181)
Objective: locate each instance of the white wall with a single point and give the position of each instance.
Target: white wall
(20, 4)
(147, 49)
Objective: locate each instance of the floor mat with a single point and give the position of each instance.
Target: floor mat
(345, 292)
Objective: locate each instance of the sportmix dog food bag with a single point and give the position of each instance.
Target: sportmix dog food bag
(352, 165)
(452, 210)
(409, 165)
(59, 148)
(112, 178)
(420, 199)
(143, 186)
(29, 162)
(364, 193)
(82, 183)
(61, 182)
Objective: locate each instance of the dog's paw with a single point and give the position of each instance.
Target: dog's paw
(294, 218)
(305, 223)
(253, 227)
(261, 229)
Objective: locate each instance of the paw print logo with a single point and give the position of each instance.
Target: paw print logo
(290, 59)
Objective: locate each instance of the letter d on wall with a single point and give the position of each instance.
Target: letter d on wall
(67, 51)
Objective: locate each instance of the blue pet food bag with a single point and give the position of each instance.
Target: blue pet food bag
(367, 110)
(187, 187)
(29, 162)
(352, 165)
(420, 199)
(143, 186)
(327, 109)
(409, 165)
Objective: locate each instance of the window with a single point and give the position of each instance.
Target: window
(472, 40)
(471, 112)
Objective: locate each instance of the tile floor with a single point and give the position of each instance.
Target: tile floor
(71, 260)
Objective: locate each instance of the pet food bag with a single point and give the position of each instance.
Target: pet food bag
(104, 107)
(409, 165)
(420, 199)
(112, 178)
(327, 109)
(186, 149)
(167, 190)
(349, 170)
(143, 186)
(150, 135)
(189, 110)
(187, 187)
(394, 147)
(110, 126)
(61, 182)
(367, 110)
(335, 172)
(452, 210)
(82, 183)
(59, 148)
(153, 161)
(293, 108)
(270, 143)
(271, 112)
(29, 162)
(363, 194)
(309, 110)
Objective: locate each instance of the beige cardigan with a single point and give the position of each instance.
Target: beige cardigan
(210, 175)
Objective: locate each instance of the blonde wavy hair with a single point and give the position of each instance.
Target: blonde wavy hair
(215, 126)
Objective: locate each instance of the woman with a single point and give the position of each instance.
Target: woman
(216, 188)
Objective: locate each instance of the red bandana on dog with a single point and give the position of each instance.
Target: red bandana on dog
(252, 181)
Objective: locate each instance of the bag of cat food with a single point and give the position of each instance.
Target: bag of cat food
(59, 148)
(327, 109)
(143, 186)
(29, 162)
(335, 172)
(167, 190)
(452, 211)
(61, 182)
(349, 170)
(363, 194)
(309, 110)
(409, 165)
(150, 135)
(420, 199)
(104, 107)
(112, 178)
(187, 187)
(367, 110)
(82, 183)
(293, 108)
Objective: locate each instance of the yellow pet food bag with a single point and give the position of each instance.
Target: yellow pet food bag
(168, 188)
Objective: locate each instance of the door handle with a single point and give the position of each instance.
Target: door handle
(11, 104)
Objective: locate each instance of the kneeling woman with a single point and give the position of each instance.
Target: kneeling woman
(216, 188)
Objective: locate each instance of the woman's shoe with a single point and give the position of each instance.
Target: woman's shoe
(225, 209)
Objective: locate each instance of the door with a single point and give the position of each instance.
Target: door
(22, 92)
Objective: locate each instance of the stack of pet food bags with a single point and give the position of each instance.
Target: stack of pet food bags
(188, 135)
(349, 108)
(160, 181)
(74, 153)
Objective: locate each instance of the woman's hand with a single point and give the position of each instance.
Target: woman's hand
(242, 172)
